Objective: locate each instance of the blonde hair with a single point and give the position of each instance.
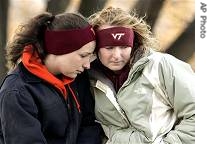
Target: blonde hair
(116, 16)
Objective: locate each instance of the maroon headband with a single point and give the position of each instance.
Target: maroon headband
(66, 41)
(115, 36)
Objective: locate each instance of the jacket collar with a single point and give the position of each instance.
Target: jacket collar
(94, 75)
(139, 65)
(26, 75)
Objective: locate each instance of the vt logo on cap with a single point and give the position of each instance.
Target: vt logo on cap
(114, 36)
(118, 35)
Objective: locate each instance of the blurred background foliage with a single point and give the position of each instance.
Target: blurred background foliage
(172, 21)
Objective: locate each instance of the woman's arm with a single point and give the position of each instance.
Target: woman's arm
(19, 123)
(179, 85)
(90, 131)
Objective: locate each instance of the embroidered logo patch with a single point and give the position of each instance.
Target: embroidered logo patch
(118, 36)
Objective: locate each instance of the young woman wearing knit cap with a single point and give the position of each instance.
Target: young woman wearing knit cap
(45, 98)
(141, 96)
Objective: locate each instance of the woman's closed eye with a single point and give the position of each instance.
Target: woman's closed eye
(109, 48)
(123, 47)
(85, 55)
(91, 56)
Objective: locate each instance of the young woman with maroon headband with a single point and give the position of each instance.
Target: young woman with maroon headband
(141, 96)
(45, 98)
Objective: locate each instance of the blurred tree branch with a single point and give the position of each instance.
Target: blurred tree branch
(88, 7)
(3, 36)
(184, 46)
(150, 9)
(57, 6)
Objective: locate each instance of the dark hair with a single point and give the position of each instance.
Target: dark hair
(32, 33)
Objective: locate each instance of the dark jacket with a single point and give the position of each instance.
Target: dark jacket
(34, 112)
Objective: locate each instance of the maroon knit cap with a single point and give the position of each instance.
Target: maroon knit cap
(61, 42)
(115, 36)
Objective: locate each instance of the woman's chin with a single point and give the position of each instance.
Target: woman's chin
(72, 75)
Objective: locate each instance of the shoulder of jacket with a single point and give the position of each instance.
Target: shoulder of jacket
(156, 57)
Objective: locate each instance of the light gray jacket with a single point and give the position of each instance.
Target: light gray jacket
(155, 105)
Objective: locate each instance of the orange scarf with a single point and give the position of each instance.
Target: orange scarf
(33, 64)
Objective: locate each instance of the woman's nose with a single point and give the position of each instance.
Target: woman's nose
(116, 53)
(86, 65)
